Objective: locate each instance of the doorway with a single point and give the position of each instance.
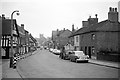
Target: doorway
(89, 51)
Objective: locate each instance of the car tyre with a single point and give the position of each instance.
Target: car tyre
(71, 60)
(76, 61)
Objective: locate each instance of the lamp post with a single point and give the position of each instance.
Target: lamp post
(11, 57)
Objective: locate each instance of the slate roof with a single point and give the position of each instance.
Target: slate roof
(6, 26)
(21, 31)
(105, 25)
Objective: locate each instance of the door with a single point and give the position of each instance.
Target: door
(89, 51)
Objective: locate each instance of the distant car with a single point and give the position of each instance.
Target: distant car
(56, 51)
(78, 56)
(51, 49)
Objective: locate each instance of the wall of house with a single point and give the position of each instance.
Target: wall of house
(108, 41)
(88, 44)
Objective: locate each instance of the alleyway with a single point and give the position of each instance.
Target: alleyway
(44, 64)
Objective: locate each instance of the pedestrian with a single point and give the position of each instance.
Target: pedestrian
(62, 52)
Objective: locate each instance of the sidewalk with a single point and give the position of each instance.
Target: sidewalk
(8, 72)
(105, 63)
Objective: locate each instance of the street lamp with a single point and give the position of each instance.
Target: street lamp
(11, 57)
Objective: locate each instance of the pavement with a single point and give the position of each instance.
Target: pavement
(6, 72)
(105, 63)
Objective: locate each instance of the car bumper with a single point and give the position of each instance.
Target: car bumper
(83, 60)
(56, 53)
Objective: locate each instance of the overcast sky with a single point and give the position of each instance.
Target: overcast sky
(43, 16)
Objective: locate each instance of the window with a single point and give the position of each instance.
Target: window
(76, 38)
(93, 36)
(93, 50)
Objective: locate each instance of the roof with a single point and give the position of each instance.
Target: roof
(21, 31)
(32, 39)
(6, 26)
(105, 25)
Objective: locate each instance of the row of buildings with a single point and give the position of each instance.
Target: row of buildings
(99, 40)
(23, 41)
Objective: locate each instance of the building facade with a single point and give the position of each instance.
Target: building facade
(60, 38)
(100, 40)
(6, 37)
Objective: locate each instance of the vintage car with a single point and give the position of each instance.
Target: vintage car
(78, 56)
(65, 55)
(56, 51)
(51, 49)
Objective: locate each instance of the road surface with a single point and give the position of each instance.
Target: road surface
(44, 64)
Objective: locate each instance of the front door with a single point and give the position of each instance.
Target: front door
(89, 51)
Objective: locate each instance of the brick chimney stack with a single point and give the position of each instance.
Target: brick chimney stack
(113, 14)
(92, 21)
(22, 25)
(73, 29)
(3, 16)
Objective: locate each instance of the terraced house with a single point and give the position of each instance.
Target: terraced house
(100, 40)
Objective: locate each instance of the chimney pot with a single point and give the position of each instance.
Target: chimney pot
(3, 15)
(89, 16)
(110, 9)
(22, 25)
(115, 9)
(96, 15)
(57, 30)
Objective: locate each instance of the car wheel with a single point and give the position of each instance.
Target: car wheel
(76, 61)
(71, 60)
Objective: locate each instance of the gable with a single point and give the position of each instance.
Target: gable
(65, 33)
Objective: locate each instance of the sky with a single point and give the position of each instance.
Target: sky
(43, 16)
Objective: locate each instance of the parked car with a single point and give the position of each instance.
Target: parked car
(65, 55)
(56, 51)
(78, 56)
(51, 49)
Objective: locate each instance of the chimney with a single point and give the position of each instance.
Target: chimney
(22, 25)
(96, 15)
(85, 23)
(73, 28)
(92, 21)
(57, 30)
(3, 16)
(64, 29)
(113, 14)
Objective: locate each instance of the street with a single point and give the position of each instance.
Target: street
(43, 64)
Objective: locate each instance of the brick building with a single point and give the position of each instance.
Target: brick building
(100, 40)
(60, 38)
